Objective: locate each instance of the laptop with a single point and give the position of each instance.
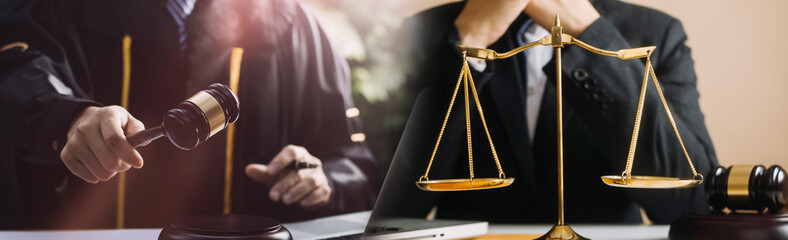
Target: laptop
(353, 225)
(415, 228)
(344, 226)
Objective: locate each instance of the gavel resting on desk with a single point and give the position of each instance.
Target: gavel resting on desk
(194, 120)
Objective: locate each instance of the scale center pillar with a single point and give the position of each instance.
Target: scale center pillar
(560, 230)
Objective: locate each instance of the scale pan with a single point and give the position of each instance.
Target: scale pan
(650, 182)
(445, 185)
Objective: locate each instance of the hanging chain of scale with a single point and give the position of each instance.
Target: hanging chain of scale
(557, 39)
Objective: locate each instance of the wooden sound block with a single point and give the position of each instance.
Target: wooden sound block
(732, 226)
(225, 226)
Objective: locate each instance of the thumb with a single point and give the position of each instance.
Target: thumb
(133, 125)
(259, 173)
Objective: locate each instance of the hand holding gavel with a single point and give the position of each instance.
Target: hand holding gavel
(97, 147)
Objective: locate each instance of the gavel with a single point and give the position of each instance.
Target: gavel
(194, 120)
(747, 187)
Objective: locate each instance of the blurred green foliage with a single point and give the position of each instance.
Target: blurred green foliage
(365, 32)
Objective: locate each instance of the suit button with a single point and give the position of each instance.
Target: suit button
(590, 84)
(600, 94)
(580, 74)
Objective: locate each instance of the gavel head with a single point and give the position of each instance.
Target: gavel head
(201, 116)
(747, 187)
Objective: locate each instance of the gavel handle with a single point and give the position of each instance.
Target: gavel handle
(145, 136)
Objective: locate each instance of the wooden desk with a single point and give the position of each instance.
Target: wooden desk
(496, 231)
(592, 231)
(339, 225)
(117, 234)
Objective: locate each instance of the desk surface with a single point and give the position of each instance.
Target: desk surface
(593, 231)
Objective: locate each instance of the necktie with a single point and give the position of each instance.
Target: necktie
(522, 41)
(180, 10)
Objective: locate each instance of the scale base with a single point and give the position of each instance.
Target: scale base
(561, 232)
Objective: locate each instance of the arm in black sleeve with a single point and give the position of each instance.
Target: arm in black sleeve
(320, 122)
(605, 90)
(39, 98)
(39, 93)
(428, 54)
(39, 106)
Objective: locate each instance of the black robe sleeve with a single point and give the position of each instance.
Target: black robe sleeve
(296, 91)
(39, 95)
(324, 100)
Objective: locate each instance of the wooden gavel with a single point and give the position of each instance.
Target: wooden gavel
(747, 187)
(194, 120)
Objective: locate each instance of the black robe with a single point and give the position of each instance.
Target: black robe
(294, 89)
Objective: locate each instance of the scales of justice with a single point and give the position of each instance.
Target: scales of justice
(557, 39)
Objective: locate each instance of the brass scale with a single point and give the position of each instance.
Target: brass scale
(557, 39)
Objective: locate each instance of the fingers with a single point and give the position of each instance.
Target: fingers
(92, 164)
(114, 138)
(576, 15)
(311, 191)
(259, 173)
(288, 154)
(124, 167)
(76, 167)
(97, 149)
(283, 185)
(318, 198)
(299, 190)
(307, 187)
(98, 146)
(480, 23)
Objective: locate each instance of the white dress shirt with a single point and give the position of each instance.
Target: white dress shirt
(537, 58)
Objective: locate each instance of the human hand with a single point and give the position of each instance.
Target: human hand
(96, 149)
(309, 187)
(483, 22)
(576, 15)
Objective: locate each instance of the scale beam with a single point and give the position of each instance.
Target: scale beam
(566, 39)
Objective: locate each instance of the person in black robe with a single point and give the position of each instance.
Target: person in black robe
(62, 67)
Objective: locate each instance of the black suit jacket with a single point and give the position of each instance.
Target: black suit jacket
(600, 101)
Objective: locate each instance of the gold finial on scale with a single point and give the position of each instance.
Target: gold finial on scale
(556, 32)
